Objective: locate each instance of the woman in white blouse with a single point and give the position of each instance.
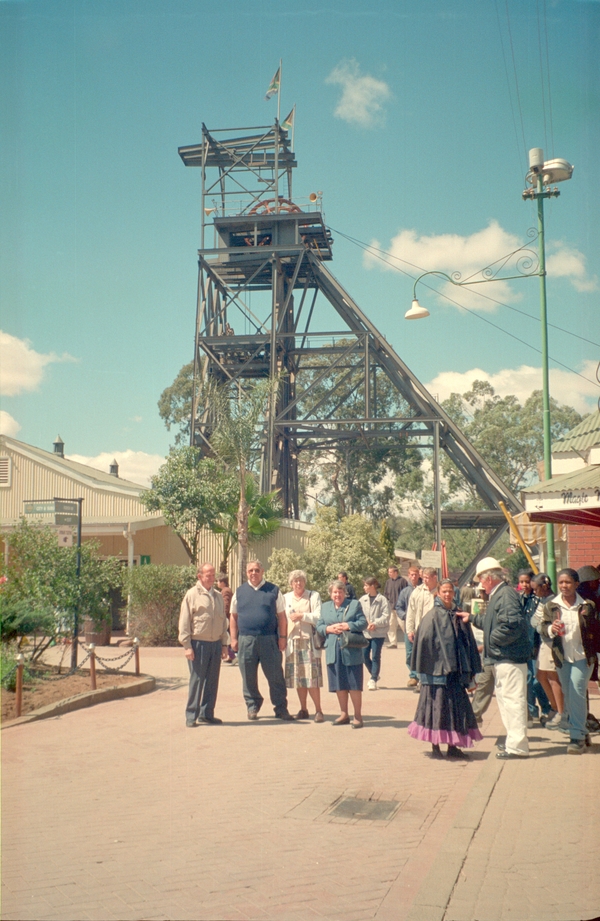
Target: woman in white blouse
(573, 626)
(302, 659)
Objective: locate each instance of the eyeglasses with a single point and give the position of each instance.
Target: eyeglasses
(253, 570)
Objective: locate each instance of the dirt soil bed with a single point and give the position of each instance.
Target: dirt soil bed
(42, 692)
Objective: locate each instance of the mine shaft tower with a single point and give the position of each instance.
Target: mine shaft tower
(269, 307)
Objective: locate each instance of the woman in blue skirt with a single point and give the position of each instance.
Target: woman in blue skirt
(344, 662)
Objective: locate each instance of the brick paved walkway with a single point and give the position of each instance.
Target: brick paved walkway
(121, 812)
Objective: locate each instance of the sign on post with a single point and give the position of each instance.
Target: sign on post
(38, 508)
(65, 537)
(431, 558)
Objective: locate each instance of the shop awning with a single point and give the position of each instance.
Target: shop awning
(573, 498)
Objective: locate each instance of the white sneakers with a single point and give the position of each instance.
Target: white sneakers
(372, 684)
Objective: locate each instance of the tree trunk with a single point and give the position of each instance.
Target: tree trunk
(242, 521)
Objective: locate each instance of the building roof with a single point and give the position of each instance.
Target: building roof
(582, 437)
(89, 475)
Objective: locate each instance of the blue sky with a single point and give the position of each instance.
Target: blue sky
(413, 118)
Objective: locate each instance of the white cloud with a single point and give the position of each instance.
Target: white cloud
(136, 466)
(565, 387)
(469, 255)
(8, 425)
(21, 367)
(565, 261)
(362, 97)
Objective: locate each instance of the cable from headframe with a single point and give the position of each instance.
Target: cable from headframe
(549, 88)
(510, 95)
(512, 51)
(542, 81)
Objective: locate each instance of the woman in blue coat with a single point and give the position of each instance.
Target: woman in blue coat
(344, 664)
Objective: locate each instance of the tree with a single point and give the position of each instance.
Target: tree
(387, 541)
(175, 403)
(352, 477)
(264, 517)
(238, 415)
(348, 543)
(507, 434)
(43, 576)
(191, 492)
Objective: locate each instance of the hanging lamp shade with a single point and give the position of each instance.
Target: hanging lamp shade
(416, 312)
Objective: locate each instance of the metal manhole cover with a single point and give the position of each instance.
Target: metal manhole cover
(349, 807)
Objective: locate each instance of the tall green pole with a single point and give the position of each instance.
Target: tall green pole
(540, 195)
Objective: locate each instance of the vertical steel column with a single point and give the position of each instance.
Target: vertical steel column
(436, 485)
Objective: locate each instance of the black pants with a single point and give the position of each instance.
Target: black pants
(253, 650)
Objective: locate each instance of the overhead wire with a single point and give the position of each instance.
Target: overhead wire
(379, 254)
(542, 80)
(512, 52)
(510, 95)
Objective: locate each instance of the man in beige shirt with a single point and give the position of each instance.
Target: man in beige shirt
(421, 601)
(203, 635)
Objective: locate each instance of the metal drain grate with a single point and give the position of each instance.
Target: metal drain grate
(349, 807)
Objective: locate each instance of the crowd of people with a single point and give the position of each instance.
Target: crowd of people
(535, 648)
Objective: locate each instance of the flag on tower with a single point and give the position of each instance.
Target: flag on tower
(288, 123)
(274, 84)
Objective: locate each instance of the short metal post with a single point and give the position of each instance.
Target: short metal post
(19, 688)
(93, 666)
(136, 646)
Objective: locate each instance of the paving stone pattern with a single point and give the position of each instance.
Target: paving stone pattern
(121, 812)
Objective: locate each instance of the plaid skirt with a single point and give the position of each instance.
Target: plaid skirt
(303, 665)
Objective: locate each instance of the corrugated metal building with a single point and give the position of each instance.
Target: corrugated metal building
(112, 511)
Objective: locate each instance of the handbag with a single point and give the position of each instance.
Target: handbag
(318, 640)
(350, 640)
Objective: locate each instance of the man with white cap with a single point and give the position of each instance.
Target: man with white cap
(506, 647)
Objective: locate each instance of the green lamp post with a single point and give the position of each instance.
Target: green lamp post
(542, 174)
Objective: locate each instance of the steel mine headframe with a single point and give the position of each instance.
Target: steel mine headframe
(268, 307)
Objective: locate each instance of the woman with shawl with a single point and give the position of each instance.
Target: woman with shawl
(446, 660)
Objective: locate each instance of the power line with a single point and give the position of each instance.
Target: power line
(376, 252)
(379, 253)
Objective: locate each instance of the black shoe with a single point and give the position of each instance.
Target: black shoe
(454, 752)
(284, 715)
(252, 714)
(213, 720)
(436, 752)
(503, 755)
(191, 723)
(500, 744)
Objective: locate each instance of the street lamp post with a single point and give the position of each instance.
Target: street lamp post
(542, 174)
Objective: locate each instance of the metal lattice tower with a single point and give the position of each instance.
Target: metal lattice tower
(269, 306)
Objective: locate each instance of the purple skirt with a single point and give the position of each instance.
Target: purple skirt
(445, 715)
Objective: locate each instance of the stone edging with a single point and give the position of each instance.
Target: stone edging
(142, 685)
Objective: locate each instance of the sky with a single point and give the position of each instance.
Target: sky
(413, 119)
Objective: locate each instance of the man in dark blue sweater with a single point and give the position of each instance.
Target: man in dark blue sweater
(258, 630)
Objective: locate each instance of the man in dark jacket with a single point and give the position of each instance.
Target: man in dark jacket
(506, 646)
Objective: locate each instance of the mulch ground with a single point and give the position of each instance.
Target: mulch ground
(40, 692)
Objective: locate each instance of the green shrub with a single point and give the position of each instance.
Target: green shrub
(155, 594)
(281, 563)
(349, 543)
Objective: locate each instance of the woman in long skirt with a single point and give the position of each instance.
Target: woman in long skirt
(446, 659)
(302, 658)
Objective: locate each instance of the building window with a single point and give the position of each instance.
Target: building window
(5, 470)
